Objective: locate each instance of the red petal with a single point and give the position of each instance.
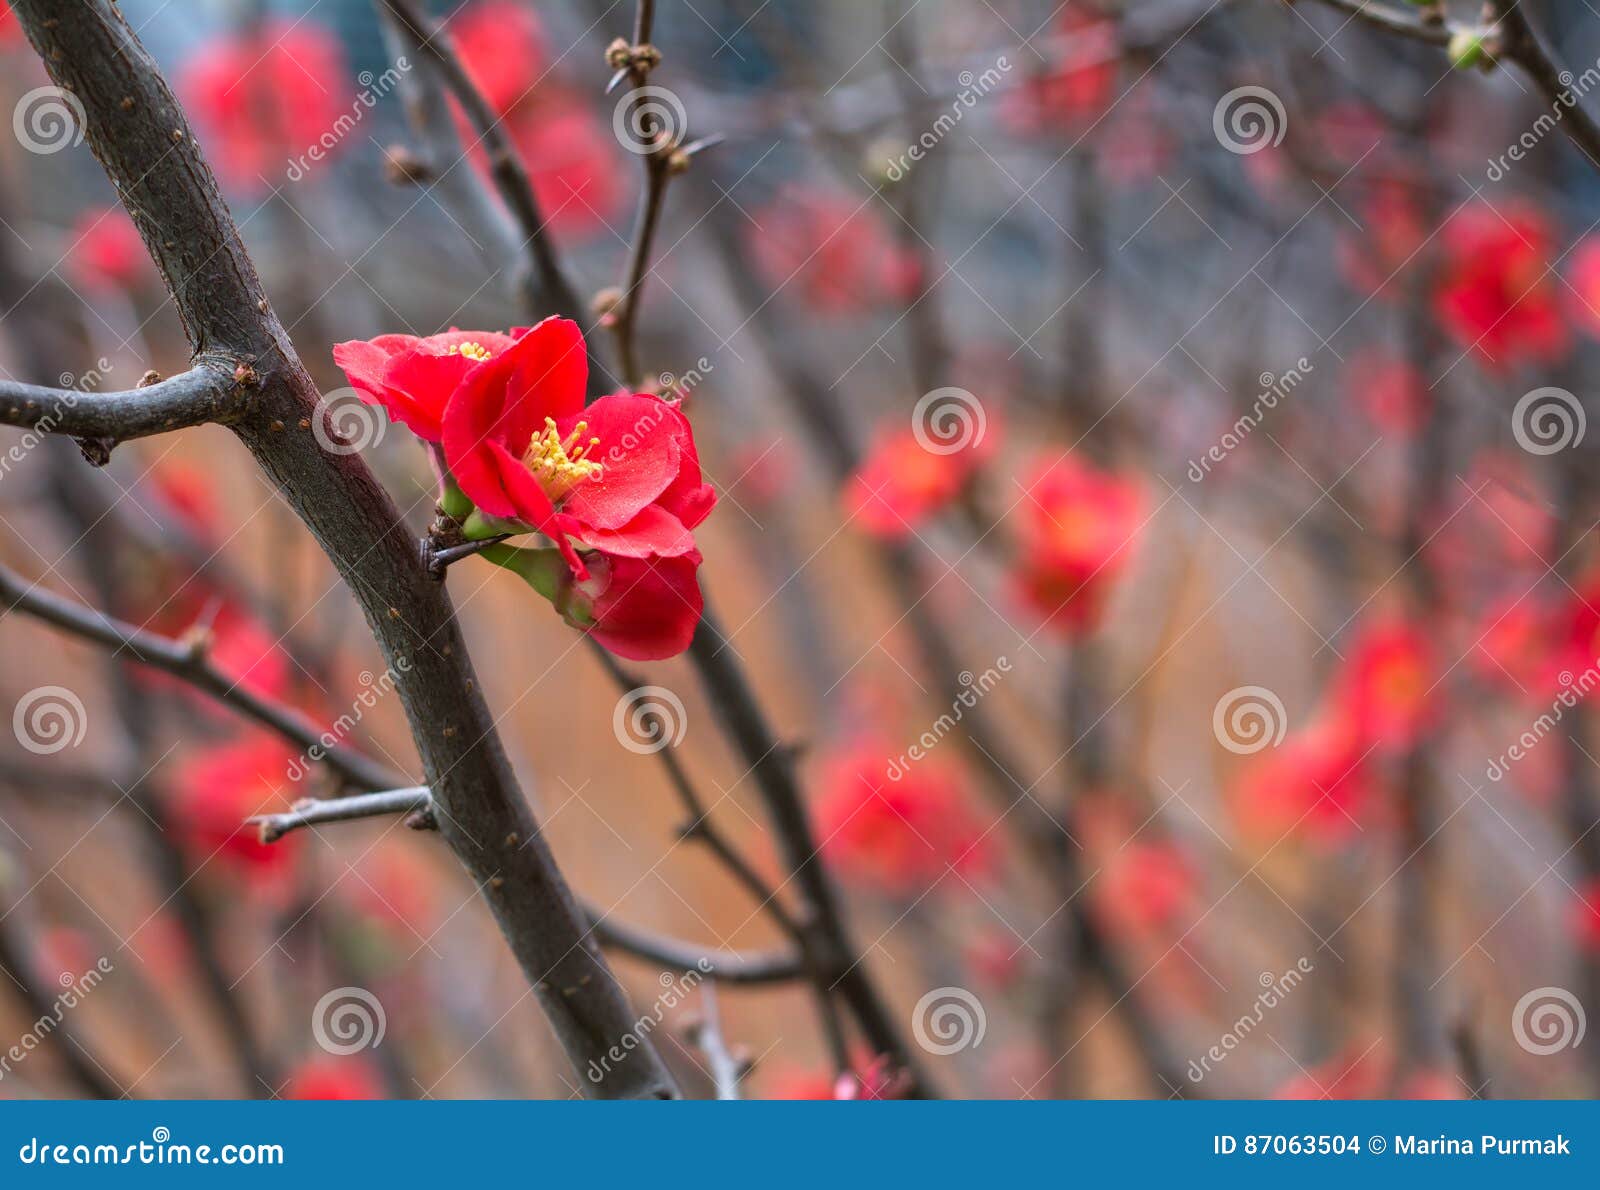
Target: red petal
(639, 450)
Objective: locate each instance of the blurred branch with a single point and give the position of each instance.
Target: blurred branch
(506, 167)
(726, 1069)
(202, 395)
(187, 659)
(143, 140)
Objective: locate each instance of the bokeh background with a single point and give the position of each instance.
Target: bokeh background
(1155, 509)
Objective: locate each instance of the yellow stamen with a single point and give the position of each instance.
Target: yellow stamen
(558, 465)
(475, 351)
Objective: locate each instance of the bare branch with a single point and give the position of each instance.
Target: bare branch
(197, 397)
(312, 811)
(188, 660)
(142, 138)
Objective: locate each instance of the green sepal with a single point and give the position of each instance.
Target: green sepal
(479, 525)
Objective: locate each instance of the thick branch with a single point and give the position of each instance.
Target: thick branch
(144, 141)
(196, 397)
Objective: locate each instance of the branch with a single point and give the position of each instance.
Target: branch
(727, 1069)
(506, 167)
(142, 138)
(415, 800)
(197, 397)
(749, 967)
(187, 660)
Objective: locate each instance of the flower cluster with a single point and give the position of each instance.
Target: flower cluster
(614, 485)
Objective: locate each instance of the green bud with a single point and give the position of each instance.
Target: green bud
(1466, 48)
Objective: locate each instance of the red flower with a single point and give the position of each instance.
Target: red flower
(1586, 915)
(1384, 685)
(900, 836)
(1077, 86)
(1585, 281)
(1145, 886)
(1074, 536)
(413, 378)
(644, 609)
(572, 162)
(1317, 781)
(901, 483)
(621, 477)
(219, 788)
(10, 30)
(836, 252)
(267, 95)
(107, 252)
(502, 45)
(1393, 393)
(1515, 646)
(1494, 296)
(1393, 235)
(333, 1078)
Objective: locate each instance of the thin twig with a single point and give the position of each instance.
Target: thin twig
(726, 1069)
(415, 800)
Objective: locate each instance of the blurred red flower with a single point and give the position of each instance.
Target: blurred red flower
(1586, 915)
(902, 483)
(1392, 236)
(1392, 392)
(413, 378)
(1076, 86)
(621, 476)
(330, 1077)
(502, 46)
(1350, 1074)
(1144, 887)
(1075, 532)
(217, 788)
(900, 836)
(265, 95)
(572, 163)
(1383, 690)
(1494, 295)
(834, 252)
(1584, 275)
(10, 30)
(1317, 781)
(107, 253)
